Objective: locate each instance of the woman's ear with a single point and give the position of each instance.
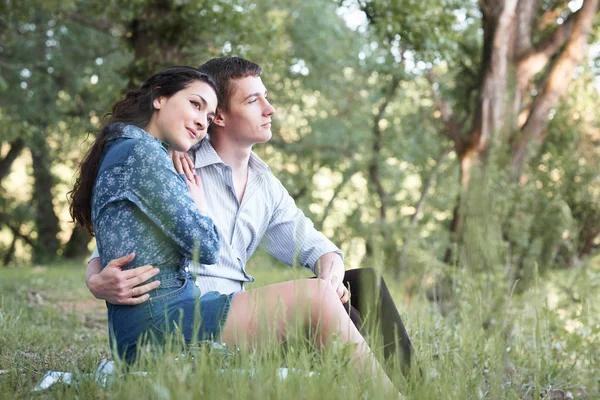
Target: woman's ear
(158, 102)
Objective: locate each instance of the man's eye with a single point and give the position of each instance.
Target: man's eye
(253, 100)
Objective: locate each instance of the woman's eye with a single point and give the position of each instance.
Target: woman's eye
(210, 120)
(195, 104)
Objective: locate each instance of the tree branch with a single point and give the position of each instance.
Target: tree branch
(537, 58)
(16, 232)
(302, 147)
(558, 81)
(421, 203)
(551, 14)
(348, 174)
(453, 127)
(11, 250)
(102, 26)
(428, 183)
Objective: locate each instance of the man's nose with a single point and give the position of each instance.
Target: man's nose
(269, 109)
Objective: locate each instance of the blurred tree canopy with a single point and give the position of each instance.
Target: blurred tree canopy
(419, 136)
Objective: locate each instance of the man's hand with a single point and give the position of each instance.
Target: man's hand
(330, 267)
(184, 165)
(117, 286)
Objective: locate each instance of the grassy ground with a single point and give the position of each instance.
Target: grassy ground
(484, 343)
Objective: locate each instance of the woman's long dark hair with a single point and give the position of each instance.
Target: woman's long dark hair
(135, 109)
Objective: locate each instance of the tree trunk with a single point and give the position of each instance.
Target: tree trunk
(374, 170)
(15, 149)
(77, 246)
(590, 236)
(153, 41)
(498, 51)
(45, 219)
(374, 174)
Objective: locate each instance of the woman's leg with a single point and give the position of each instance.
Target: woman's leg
(371, 297)
(286, 305)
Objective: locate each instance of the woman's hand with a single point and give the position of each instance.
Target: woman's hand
(184, 165)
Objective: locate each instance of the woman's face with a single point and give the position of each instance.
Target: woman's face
(182, 119)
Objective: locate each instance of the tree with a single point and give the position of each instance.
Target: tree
(511, 78)
(46, 66)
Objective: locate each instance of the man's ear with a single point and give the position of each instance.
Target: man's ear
(219, 118)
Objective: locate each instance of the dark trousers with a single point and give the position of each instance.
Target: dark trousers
(372, 310)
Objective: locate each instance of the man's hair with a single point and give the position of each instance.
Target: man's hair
(224, 70)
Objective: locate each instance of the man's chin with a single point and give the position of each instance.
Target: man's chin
(266, 137)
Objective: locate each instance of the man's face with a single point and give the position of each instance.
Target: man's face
(248, 120)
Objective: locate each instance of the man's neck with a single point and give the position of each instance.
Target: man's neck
(234, 154)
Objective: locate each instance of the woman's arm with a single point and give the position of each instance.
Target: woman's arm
(150, 182)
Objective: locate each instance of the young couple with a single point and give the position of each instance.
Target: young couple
(152, 215)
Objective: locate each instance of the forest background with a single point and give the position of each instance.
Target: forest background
(448, 143)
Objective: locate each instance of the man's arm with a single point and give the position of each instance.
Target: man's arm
(330, 268)
(292, 236)
(117, 286)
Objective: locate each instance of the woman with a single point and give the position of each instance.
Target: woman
(129, 194)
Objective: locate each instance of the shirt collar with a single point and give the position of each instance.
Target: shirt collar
(205, 155)
(120, 130)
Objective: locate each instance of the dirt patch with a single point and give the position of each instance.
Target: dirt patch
(91, 312)
(84, 306)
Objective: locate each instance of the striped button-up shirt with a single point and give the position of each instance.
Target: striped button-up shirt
(267, 216)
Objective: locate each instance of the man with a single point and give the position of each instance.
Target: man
(251, 207)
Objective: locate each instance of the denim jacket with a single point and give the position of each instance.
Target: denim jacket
(140, 203)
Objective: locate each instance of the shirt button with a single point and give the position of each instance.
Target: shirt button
(187, 269)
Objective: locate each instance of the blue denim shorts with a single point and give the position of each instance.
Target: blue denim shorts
(176, 306)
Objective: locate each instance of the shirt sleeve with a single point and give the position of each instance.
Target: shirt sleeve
(150, 181)
(95, 254)
(291, 237)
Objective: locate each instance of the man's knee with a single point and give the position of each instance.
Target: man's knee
(315, 290)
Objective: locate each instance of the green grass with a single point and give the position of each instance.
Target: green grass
(483, 343)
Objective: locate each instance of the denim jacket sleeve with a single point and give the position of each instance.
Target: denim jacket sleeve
(149, 181)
